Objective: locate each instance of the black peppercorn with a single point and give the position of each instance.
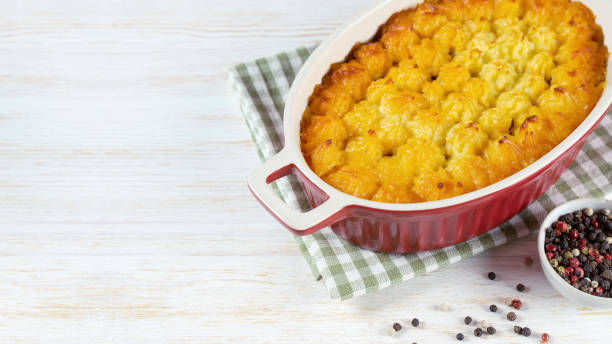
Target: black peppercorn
(467, 320)
(565, 244)
(459, 336)
(491, 330)
(415, 322)
(397, 327)
(511, 316)
(478, 332)
(520, 287)
(493, 308)
(491, 276)
(526, 332)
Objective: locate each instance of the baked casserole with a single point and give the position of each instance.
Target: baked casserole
(453, 96)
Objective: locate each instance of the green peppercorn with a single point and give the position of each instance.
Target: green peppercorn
(554, 263)
(561, 269)
(568, 255)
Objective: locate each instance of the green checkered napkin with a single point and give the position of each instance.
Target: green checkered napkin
(346, 270)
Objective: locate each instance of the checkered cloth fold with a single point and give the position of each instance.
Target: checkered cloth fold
(347, 271)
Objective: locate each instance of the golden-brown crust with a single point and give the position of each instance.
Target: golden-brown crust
(454, 95)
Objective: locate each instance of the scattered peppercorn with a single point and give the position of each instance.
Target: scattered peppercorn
(518, 330)
(459, 336)
(397, 327)
(579, 247)
(528, 261)
(526, 332)
(508, 301)
(511, 316)
(467, 320)
(491, 275)
(545, 338)
(493, 308)
(491, 330)
(415, 322)
(520, 287)
(478, 332)
(517, 304)
(483, 324)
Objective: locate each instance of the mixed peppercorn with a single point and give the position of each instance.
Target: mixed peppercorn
(579, 247)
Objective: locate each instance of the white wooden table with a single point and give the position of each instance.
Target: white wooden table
(124, 213)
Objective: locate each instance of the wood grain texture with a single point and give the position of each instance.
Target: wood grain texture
(124, 212)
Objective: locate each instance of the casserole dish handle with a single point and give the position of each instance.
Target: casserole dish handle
(300, 223)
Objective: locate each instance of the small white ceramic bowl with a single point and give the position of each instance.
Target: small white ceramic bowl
(576, 296)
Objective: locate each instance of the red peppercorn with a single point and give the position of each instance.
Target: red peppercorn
(550, 248)
(517, 304)
(574, 234)
(581, 246)
(550, 255)
(560, 225)
(580, 272)
(582, 241)
(574, 262)
(569, 270)
(557, 232)
(599, 290)
(545, 338)
(573, 279)
(595, 223)
(599, 259)
(608, 256)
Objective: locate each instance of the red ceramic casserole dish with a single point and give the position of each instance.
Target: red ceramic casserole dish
(403, 228)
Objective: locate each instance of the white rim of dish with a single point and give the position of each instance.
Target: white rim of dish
(577, 204)
(333, 49)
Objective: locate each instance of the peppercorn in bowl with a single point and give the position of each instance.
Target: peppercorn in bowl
(442, 123)
(575, 250)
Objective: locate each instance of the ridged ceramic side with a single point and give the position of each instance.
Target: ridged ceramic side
(403, 228)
